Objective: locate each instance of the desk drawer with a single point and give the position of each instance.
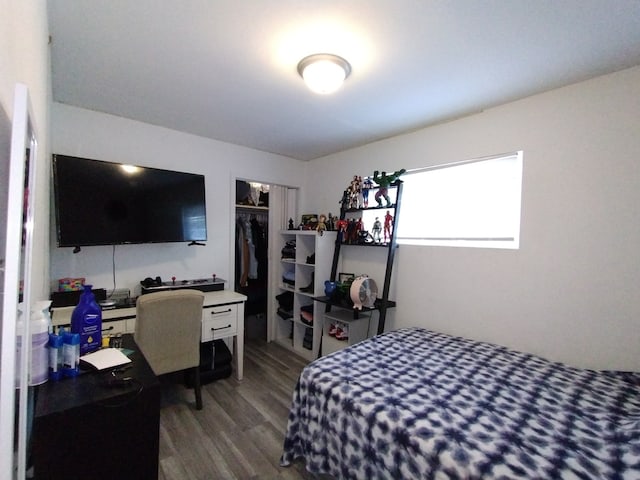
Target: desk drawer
(219, 322)
(114, 327)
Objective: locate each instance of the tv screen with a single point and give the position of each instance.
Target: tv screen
(105, 203)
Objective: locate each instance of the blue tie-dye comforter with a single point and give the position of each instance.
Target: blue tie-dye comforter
(414, 404)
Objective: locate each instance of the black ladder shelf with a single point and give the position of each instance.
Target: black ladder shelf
(382, 303)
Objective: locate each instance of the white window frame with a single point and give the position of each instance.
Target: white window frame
(505, 201)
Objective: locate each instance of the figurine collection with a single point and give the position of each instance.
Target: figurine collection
(356, 197)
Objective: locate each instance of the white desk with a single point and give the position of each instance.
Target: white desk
(222, 318)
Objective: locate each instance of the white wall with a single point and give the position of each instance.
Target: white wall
(24, 56)
(89, 134)
(570, 293)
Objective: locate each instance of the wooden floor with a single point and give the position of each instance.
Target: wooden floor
(239, 432)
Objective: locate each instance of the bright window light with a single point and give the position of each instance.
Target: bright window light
(468, 204)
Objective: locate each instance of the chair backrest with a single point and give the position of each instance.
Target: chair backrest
(168, 329)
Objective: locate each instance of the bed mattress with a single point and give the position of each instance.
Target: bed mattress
(418, 404)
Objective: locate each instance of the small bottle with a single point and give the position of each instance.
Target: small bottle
(55, 357)
(71, 354)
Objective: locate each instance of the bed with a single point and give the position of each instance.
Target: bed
(418, 404)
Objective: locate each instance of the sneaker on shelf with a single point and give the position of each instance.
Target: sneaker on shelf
(343, 332)
(333, 328)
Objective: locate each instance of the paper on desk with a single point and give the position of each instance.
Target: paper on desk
(105, 358)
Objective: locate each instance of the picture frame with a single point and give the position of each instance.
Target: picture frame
(309, 221)
(345, 277)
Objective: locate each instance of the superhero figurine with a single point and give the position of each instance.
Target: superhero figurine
(384, 181)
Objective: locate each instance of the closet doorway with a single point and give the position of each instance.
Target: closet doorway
(262, 211)
(251, 254)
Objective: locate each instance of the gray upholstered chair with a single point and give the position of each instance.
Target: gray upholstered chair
(168, 331)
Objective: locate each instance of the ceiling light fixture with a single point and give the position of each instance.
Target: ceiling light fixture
(130, 169)
(323, 72)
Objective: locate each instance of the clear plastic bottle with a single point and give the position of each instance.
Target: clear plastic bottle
(55, 356)
(71, 354)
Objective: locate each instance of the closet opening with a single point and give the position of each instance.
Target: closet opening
(251, 254)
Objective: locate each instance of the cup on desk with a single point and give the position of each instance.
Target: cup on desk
(116, 341)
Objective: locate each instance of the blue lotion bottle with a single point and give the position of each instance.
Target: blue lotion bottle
(86, 320)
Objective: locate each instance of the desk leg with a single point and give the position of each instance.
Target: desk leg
(238, 343)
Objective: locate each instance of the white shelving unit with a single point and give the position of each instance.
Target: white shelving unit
(310, 268)
(350, 252)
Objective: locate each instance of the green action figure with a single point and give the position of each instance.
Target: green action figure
(384, 181)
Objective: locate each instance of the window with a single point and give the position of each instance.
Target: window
(468, 204)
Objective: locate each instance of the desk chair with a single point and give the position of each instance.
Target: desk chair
(168, 331)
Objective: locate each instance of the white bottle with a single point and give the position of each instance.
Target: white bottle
(40, 327)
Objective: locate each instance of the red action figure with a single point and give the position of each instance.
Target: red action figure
(341, 225)
(388, 224)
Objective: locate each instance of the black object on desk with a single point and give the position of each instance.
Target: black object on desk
(99, 425)
(71, 299)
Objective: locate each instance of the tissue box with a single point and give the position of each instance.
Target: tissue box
(70, 284)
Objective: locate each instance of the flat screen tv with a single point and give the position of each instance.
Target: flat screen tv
(105, 203)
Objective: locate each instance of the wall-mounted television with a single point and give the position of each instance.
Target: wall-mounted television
(106, 203)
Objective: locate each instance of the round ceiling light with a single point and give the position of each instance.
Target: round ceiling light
(323, 72)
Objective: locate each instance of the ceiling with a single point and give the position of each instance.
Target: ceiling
(226, 69)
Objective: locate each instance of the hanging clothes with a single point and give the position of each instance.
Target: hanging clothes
(251, 248)
(259, 240)
(242, 254)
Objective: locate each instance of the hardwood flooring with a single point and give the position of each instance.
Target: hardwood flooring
(240, 430)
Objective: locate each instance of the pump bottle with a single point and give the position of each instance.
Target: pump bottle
(86, 320)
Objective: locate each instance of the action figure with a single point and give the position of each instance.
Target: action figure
(344, 202)
(321, 227)
(342, 230)
(367, 185)
(359, 227)
(354, 192)
(331, 222)
(377, 230)
(388, 223)
(352, 234)
(384, 181)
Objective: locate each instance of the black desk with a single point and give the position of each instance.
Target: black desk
(86, 429)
